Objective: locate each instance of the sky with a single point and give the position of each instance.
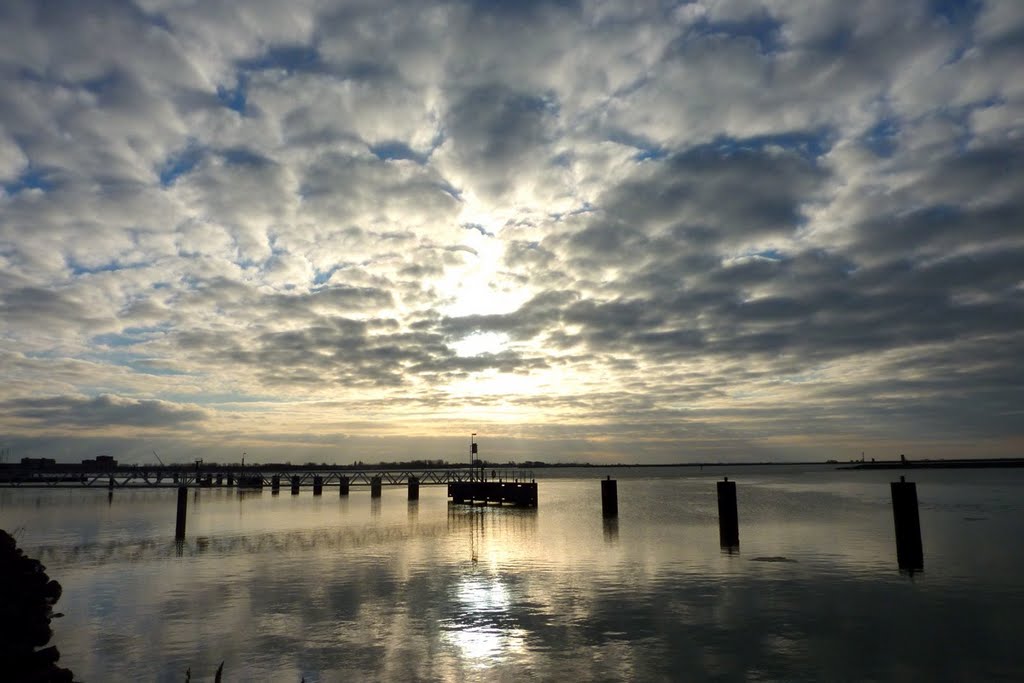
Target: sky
(318, 231)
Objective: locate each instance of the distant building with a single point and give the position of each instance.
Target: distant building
(38, 462)
(103, 462)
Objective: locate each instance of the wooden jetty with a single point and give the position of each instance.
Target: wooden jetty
(518, 493)
(248, 477)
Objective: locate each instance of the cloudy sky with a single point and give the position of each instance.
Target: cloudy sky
(604, 231)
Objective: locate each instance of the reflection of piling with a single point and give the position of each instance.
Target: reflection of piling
(909, 552)
(611, 529)
(275, 484)
(179, 526)
(318, 486)
(728, 518)
(295, 486)
(342, 486)
(375, 487)
(609, 497)
(414, 488)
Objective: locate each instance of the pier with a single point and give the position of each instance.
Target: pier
(249, 477)
(518, 493)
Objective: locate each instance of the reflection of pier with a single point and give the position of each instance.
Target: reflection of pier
(251, 477)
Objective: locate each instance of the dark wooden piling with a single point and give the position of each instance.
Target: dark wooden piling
(220, 480)
(609, 497)
(231, 480)
(179, 526)
(110, 483)
(414, 488)
(728, 517)
(375, 484)
(318, 485)
(295, 486)
(275, 484)
(342, 486)
(909, 552)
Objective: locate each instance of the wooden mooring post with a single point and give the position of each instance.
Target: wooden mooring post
(909, 551)
(179, 525)
(342, 486)
(318, 485)
(728, 517)
(295, 486)
(375, 483)
(609, 497)
(275, 484)
(414, 488)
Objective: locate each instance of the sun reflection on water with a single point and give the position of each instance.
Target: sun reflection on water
(480, 634)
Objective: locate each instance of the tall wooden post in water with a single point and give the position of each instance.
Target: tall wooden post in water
(342, 486)
(728, 517)
(375, 484)
(909, 553)
(414, 488)
(609, 497)
(179, 526)
(318, 485)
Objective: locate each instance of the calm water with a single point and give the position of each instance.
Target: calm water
(331, 589)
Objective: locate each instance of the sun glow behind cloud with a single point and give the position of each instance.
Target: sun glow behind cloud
(480, 343)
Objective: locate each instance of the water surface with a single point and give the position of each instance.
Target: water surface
(331, 588)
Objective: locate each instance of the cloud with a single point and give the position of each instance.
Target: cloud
(680, 220)
(102, 411)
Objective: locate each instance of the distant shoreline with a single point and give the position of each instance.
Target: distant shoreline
(957, 463)
(960, 463)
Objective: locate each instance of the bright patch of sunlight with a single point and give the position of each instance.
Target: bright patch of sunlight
(481, 342)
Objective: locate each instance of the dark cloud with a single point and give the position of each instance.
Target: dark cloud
(102, 411)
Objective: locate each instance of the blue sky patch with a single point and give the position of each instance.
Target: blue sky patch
(882, 138)
(396, 150)
(956, 12)
(235, 98)
(81, 269)
(30, 179)
(180, 163)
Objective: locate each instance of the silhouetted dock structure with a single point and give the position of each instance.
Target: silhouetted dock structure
(518, 493)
